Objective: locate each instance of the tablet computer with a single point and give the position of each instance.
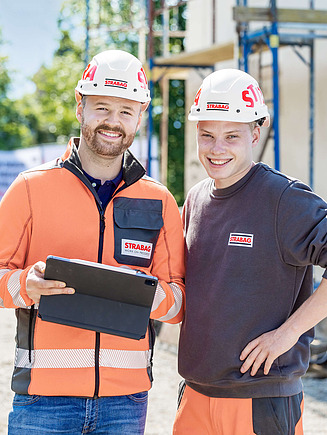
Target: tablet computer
(109, 299)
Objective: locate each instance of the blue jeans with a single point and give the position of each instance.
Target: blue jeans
(38, 415)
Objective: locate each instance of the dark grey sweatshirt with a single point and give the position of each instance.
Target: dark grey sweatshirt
(249, 254)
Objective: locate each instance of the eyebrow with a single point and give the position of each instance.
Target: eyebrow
(225, 132)
(104, 103)
(204, 130)
(129, 108)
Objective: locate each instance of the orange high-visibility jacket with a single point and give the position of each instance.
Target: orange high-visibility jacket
(53, 210)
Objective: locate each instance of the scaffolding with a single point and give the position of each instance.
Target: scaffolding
(161, 76)
(275, 28)
(166, 66)
(279, 28)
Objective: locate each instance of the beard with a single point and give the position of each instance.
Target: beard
(105, 147)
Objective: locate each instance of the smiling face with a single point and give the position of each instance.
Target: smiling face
(225, 150)
(108, 125)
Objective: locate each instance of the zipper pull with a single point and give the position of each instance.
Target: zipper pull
(102, 223)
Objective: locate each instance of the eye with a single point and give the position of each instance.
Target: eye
(232, 136)
(207, 135)
(127, 111)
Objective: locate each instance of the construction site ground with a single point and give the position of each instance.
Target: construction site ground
(163, 395)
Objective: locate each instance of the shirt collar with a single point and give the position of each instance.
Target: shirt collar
(96, 183)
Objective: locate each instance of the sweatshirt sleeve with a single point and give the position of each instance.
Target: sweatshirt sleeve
(168, 266)
(15, 230)
(302, 226)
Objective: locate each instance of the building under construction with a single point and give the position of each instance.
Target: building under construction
(282, 43)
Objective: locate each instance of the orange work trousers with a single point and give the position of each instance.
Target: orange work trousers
(202, 415)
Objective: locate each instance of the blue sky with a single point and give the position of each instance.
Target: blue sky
(29, 29)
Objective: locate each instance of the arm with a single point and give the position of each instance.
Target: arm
(301, 228)
(21, 285)
(168, 266)
(269, 346)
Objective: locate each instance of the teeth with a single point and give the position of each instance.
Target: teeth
(110, 134)
(218, 162)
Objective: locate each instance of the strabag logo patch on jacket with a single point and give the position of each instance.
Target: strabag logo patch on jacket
(240, 239)
(136, 248)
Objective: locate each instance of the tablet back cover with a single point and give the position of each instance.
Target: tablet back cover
(106, 299)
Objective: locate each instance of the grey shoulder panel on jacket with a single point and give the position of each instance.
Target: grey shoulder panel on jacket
(153, 180)
(52, 164)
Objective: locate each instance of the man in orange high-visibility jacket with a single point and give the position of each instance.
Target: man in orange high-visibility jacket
(89, 204)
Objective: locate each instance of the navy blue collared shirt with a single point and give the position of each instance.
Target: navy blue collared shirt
(105, 190)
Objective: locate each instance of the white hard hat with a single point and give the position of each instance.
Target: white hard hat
(230, 95)
(115, 73)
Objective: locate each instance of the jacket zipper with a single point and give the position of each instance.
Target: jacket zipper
(97, 334)
(30, 333)
(72, 169)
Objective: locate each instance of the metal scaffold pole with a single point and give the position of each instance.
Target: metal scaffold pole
(87, 31)
(151, 86)
(274, 45)
(312, 109)
(309, 24)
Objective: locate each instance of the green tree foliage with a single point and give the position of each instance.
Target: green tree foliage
(48, 115)
(112, 24)
(50, 111)
(14, 132)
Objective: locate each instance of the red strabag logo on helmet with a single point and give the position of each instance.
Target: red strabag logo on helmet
(115, 83)
(142, 79)
(251, 95)
(196, 99)
(89, 72)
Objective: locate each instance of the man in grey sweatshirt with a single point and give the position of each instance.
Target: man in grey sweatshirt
(252, 238)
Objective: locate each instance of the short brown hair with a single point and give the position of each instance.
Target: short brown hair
(83, 100)
(252, 125)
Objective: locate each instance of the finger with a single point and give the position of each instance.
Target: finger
(268, 364)
(39, 267)
(262, 358)
(57, 291)
(40, 285)
(47, 283)
(257, 364)
(248, 349)
(249, 360)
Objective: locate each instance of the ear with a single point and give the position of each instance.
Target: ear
(139, 121)
(78, 97)
(255, 136)
(79, 112)
(79, 107)
(144, 106)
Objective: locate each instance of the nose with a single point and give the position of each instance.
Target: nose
(218, 146)
(111, 118)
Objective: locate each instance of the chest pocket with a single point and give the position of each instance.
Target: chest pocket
(137, 224)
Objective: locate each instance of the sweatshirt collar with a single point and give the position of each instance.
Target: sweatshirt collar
(234, 188)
